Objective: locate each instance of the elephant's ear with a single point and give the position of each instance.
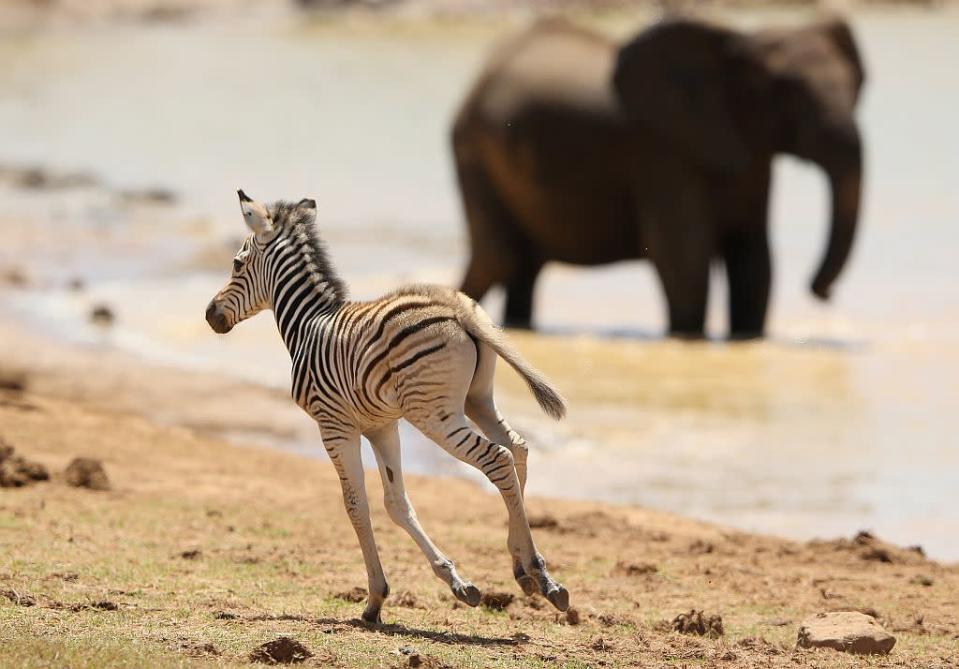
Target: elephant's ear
(675, 78)
(840, 33)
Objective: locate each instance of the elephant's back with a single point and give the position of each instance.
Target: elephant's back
(551, 64)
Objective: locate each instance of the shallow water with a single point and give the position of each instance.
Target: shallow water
(846, 418)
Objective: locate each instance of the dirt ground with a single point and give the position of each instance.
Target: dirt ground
(201, 551)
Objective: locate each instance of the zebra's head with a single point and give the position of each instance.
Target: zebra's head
(246, 294)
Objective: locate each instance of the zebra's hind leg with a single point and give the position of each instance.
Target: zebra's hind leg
(386, 446)
(496, 462)
(482, 410)
(344, 450)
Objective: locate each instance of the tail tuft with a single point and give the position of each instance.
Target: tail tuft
(549, 399)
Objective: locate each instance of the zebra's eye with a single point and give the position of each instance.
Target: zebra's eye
(237, 264)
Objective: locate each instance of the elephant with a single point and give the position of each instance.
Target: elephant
(572, 148)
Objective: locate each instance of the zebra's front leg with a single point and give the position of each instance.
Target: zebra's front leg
(344, 450)
(386, 446)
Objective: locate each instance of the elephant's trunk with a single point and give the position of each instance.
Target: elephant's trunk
(844, 168)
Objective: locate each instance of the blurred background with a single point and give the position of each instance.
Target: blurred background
(127, 125)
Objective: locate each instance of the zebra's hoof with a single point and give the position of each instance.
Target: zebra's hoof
(558, 597)
(467, 593)
(528, 584)
(372, 616)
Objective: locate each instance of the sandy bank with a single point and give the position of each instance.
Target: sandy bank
(203, 550)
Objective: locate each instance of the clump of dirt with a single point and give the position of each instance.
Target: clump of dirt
(696, 622)
(86, 473)
(191, 554)
(866, 546)
(600, 644)
(225, 615)
(282, 650)
(406, 599)
(543, 522)
(19, 598)
(572, 616)
(635, 568)
(759, 645)
(423, 662)
(16, 471)
(13, 380)
(103, 315)
(354, 595)
(497, 601)
(197, 648)
(700, 547)
(14, 277)
(104, 605)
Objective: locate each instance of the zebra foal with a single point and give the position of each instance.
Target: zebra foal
(423, 353)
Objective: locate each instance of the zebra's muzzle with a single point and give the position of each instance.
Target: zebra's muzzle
(217, 319)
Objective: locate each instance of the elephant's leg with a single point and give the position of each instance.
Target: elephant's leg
(492, 228)
(749, 272)
(519, 295)
(684, 275)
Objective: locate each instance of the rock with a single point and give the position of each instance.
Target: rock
(847, 631)
(86, 473)
(696, 622)
(282, 650)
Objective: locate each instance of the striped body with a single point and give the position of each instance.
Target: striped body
(423, 353)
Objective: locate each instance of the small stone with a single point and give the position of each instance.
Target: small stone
(572, 616)
(847, 631)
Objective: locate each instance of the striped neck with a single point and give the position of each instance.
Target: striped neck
(300, 290)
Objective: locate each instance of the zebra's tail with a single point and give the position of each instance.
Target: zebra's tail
(477, 323)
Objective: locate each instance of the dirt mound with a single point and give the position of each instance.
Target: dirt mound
(868, 547)
(406, 599)
(544, 522)
(696, 622)
(422, 662)
(355, 595)
(635, 568)
(196, 648)
(86, 473)
(16, 471)
(282, 650)
(19, 598)
(497, 601)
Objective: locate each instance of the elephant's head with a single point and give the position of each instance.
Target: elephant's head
(727, 99)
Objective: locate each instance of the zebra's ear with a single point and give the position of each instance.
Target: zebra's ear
(255, 215)
(306, 203)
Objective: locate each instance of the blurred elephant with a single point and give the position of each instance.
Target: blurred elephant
(574, 149)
